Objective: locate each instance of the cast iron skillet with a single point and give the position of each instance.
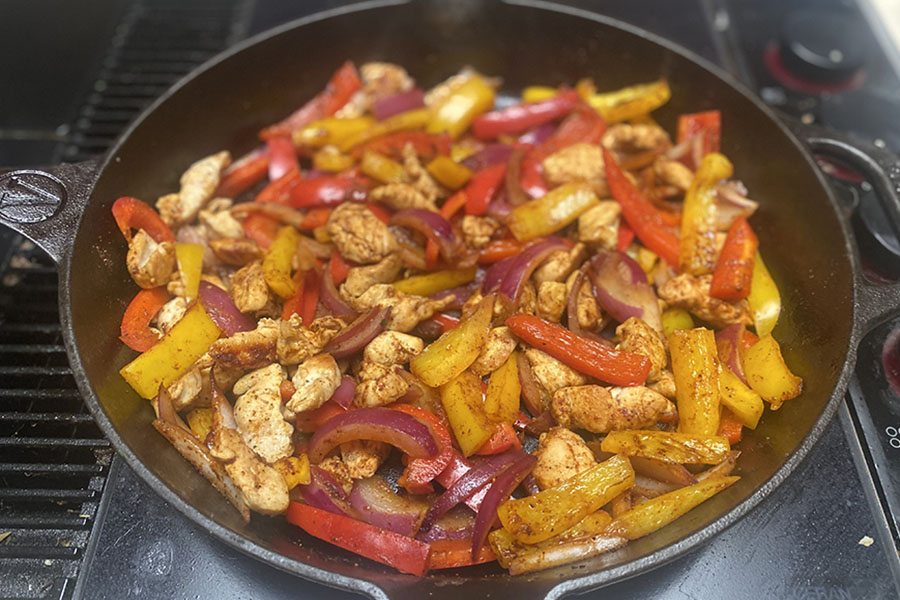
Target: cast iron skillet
(828, 306)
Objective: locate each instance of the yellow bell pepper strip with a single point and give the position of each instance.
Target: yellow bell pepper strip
(381, 168)
(745, 404)
(461, 398)
(551, 212)
(200, 420)
(501, 401)
(331, 131)
(653, 514)
(767, 373)
(642, 217)
(696, 370)
(277, 262)
(455, 350)
(294, 469)
(697, 250)
(405, 121)
(190, 266)
(668, 447)
(173, 355)
(676, 319)
(537, 93)
(457, 111)
(548, 513)
(448, 172)
(331, 160)
(764, 298)
(631, 102)
(432, 283)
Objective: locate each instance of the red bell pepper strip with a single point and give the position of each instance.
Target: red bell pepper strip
(481, 188)
(450, 554)
(243, 174)
(294, 304)
(497, 250)
(322, 191)
(583, 125)
(734, 270)
(312, 286)
(531, 178)
(426, 145)
(279, 191)
(520, 117)
(431, 255)
(626, 236)
(135, 329)
(707, 124)
(309, 421)
(582, 354)
(315, 217)
(420, 472)
(748, 339)
(380, 212)
(130, 213)
(343, 84)
(643, 218)
(446, 322)
(405, 554)
(260, 228)
(503, 439)
(730, 427)
(282, 156)
(458, 467)
(453, 204)
(338, 268)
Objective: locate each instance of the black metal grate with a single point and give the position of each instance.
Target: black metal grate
(53, 458)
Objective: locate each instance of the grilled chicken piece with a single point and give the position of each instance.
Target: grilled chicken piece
(236, 251)
(263, 488)
(599, 225)
(674, 173)
(257, 412)
(170, 313)
(600, 410)
(499, 345)
(379, 384)
(192, 388)
(552, 374)
(578, 162)
(336, 467)
(359, 279)
(665, 385)
(561, 455)
(560, 264)
(218, 222)
(586, 307)
(363, 457)
(150, 264)
(477, 231)
(551, 300)
(297, 343)
(527, 302)
(640, 338)
(315, 380)
(399, 196)
(359, 235)
(406, 310)
(248, 349)
(692, 294)
(197, 186)
(625, 138)
(393, 348)
(249, 288)
(419, 177)
(380, 79)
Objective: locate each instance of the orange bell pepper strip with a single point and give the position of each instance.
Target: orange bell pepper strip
(697, 246)
(312, 286)
(503, 439)
(279, 191)
(343, 84)
(135, 329)
(734, 270)
(730, 427)
(130, 213)
(450, 554)
(426, 145)
(583, 125)
(419, 472)
(551, 212)
(404, 553)
(643, 218)
(625, 237)
(314, 218)
(582, 354)
(242, 175)
(338, 268)
(497, 250)
(482, 188)
(260, 228)
(519, 117)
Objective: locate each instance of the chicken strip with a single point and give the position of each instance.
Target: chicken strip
(248, 349)
(296, 343)
(578, 162)
(236, 251)
(599, 225)
(640, 338)
(406, 310)
(198, 184)
(262, 486)
(600, 410)
(359, 279)
(170, 313)
(625, 138)
(363, 457)
(692, 294)
(420, 179)
(359, 235)
(561, 454)
(551, 300)
(499, 345)
(249, 288)
(393, 348)
(218, 222)
(150, 264)
(552, 374)
(379, 384)
(560, 264)
(477, 231)
(674, 173)
(586, 308)
(257, 412)
(315, 381)
(399, 196)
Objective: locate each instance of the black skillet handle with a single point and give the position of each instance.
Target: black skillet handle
(874, 303)
(45, 204)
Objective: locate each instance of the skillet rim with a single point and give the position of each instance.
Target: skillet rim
(584, 583)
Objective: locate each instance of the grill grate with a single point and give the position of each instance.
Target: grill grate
(53, 458)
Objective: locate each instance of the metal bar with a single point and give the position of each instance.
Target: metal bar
(51, 494)
(46, 417)
(7, 551)
(36, 371)
(31, 348)
(52, 394)
(51, 468)
(26, 442)
(45, 522)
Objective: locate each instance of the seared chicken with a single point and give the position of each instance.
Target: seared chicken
(257, 412)
(674, 173)
(599, 225)
(561, 455)
(406, 310)
(248, 349)
(560, 263)
(236, 251)
(692, 294)
(551, 300)
(578, 162)
(197, 186)
(249, 288)
(477, 231)
(420, 179)
(359, 235)
(600, 410)
(363, 457)
(499, 345)
(315, 381)
(399, 196)
(359, 279)
(297, 343)
(262, 486)
(393, 348)
(150, 264)
(552, 374)
(640, 338)
(625, 138)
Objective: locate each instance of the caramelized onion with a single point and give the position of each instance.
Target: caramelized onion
(377, 504)
(491, 154)
(379, 424)
(524, 264)
(398, 103)
(359, 333)
(221, 309)
(621, 288)
(332, 299)
(431, 225)
(504, 485)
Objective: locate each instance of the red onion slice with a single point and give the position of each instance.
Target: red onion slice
(538, 134)
(732, 203)
(380, 424)
(343, 395)
(504, 485)
(460, 294)
(524, 264)
(398, 103)
(221, 309)
(492, 154)
(499, 208)
(377, 504)
(621, 288)
(432, 225)
(322, 492)
(514, 192)
(332, 300)
(359, 333)
(728, 344)
(457, 524)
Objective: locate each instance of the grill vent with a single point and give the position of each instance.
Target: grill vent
(53, 458)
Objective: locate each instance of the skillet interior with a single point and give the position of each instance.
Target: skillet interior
(225, 105)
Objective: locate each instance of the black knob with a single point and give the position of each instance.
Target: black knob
(823, 46)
